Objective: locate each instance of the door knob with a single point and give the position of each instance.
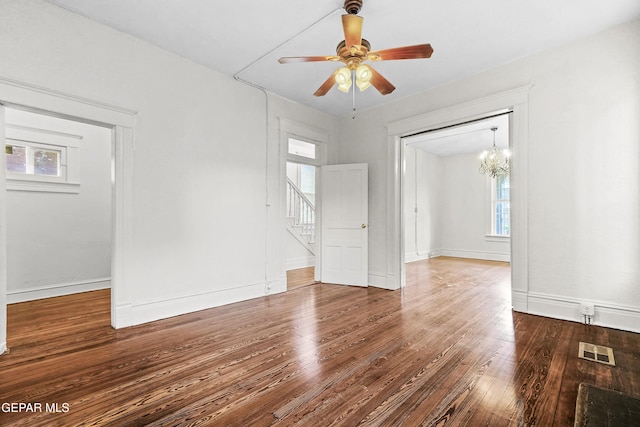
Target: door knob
(363, 226)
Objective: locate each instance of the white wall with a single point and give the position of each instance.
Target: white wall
(298, 256)
(453, 208)
(60, 243)
(206, 174)
(583, 170)
(466, 211)
(423, 189)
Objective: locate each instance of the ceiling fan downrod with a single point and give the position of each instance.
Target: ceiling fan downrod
(352, 6)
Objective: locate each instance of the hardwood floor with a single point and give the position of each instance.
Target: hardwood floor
(300, 277)
(445, 351)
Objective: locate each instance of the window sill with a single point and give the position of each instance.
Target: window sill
(497, 238)
(43, 186)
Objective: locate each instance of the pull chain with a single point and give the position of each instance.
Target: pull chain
(353, 79)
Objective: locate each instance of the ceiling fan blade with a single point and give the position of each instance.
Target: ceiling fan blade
(352, 25)
(294, 59)
(327, 85)
(383, 85)
(406, 52)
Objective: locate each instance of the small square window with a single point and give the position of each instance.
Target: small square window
(16, 158)
(41, 155)
(33, 160)
(302, 148)
(46, 162)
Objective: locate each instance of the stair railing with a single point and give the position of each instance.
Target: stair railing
(301, 210)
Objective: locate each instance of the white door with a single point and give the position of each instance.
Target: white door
(345, 224)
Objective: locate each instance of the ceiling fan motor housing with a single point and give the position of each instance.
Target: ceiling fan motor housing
(353, 6)
(355, 55)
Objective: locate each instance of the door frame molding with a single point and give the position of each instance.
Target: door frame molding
(122, 122)
(292, 129)
(516, 100)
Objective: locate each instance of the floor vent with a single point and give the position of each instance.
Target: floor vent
(596, 353)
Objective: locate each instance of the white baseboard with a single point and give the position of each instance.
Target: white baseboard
(123, 313)
(277, 286)
(156, 310)
(3, 347)
(519, 301)
(60, 289)
(488, 256)
(413, 257)
(301, 262)
(380, 280)
(434, 253)
(606, 314)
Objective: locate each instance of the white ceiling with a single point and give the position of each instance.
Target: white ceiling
(246, 37)
(467, 138)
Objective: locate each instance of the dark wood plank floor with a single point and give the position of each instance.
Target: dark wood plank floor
(445, 351)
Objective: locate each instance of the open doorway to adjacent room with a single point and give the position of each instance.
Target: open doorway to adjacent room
(58, 213)
(301, 202)
(450, 208)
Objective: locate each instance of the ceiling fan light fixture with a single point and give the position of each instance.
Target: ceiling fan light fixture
(343, 78)
(353, 51)
(363, 77)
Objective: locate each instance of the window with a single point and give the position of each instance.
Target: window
(33, 159)
(40, 158)
(304, 149)
(500, 207)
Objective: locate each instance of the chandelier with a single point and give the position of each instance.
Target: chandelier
(495, 162)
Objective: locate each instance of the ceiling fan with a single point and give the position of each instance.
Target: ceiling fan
(353, 51)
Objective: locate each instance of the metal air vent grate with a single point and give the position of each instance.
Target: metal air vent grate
(596, 353)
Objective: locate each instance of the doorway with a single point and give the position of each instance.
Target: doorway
(450, 207)
(515, 100)
(302, 182)
(58, 206)
(121, 123)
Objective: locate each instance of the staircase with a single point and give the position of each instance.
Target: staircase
(301, 217)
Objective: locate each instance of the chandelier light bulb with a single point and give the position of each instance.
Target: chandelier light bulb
(495, 162)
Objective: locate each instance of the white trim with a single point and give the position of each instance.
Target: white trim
(277, 286)
(484, 255)
(122, 121)
(56, 290)
(497, 238)
(18, 94)
(290, 128)
(42, 186)
(122, 224)
(519, 301)
(396, 276)
(380, 280)
(3, 241)
(143, 313)
(515, 100)
(606, 314)
(413, 257)
(302, 132)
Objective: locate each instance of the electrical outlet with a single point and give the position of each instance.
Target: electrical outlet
(587, 309)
